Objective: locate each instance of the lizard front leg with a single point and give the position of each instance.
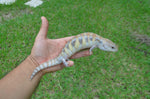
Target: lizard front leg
(94, 46)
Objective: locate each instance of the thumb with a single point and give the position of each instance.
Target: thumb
(44, 29)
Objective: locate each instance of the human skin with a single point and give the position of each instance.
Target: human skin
(17, 84)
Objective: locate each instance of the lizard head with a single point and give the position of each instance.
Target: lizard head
(107, 45)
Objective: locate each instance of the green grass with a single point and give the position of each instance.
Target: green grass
(124, 74)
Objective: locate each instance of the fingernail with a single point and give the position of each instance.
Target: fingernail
(42, 18)
(70, 63)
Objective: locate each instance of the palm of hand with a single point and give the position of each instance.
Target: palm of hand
(46, 49)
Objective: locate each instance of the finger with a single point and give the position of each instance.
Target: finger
(44, 28)
(66, 39)
(57, 67)
(81, 54)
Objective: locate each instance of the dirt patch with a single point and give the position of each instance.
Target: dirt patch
(142, 39)
(141, 50)
(96, 97)
(7, 16)
(26, 11)
(14, 14)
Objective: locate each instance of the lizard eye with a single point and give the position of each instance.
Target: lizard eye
(113, 47)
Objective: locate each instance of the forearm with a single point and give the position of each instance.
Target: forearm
(17, 84)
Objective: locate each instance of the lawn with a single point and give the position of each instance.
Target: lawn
(124, 74)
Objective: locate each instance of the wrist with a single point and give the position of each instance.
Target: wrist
(28, 66)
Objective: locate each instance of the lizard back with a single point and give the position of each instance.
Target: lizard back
(77, 43)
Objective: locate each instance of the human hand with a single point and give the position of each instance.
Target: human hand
(45, 49)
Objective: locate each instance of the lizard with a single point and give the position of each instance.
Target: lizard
(77, 43)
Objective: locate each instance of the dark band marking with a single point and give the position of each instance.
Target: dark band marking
(80, 40)
(97, 39)
(63, 50)
(86, 38)
(73, 42)
(67, 46)
(91, 38)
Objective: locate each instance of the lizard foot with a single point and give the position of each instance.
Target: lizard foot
(94, 46)
(65, 62)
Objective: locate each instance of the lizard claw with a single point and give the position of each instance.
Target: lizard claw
(66, 64)
(90, 52)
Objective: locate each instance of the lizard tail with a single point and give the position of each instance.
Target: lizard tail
(45, 65)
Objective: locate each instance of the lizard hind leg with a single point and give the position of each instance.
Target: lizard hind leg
(65, 62)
